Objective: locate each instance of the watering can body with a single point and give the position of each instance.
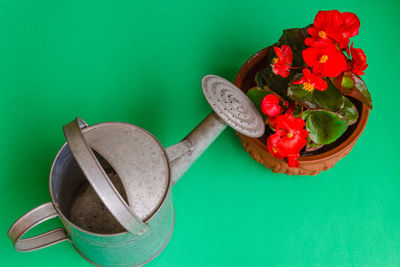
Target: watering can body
(88, 225)
(111, 182)
(109, 244)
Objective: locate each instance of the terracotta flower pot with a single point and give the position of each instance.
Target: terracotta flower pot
(322, 159)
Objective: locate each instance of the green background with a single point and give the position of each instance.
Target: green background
(142, 63)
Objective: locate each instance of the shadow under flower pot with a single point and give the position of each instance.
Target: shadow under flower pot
(311, 163)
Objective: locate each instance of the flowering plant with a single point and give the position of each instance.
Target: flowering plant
(307, 94)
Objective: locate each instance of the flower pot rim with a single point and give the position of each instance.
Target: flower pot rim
(349, 142)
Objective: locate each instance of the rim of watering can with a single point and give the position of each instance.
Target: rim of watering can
(156, 210)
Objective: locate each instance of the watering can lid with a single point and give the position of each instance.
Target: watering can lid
(138, 159)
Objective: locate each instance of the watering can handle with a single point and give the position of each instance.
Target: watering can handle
(99, 180)
(28, 221)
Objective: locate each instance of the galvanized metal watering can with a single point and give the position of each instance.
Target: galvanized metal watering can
(111, 182)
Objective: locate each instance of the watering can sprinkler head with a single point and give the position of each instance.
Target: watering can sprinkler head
(233, 106)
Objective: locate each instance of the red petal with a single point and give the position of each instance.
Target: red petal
(272, 122)
(352, 23)
(321, 85)
(287, 54)
(285, 74)
(320, 20)
(280, 132)
(311, 56)
(304, 78)
(298, 123)
(328, 20)
(343, 42)
(292, 161)
(277, 52)
(281, 68)
(335, 65)
(292, 145)
(316, 41)
(307, 73)
(318, 82)
(304, 133)
(312, 31)
(299, 81)
(270, 105)
(273, 146)
(289, 123)
(337, 18)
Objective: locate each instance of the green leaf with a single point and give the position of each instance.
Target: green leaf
(362, 93)
(297, 110)
(352, 85)
(325, 127)
(311, 146)
(331, 99)
(298, 94)
(305, 114)
(261, 75)
(344, 82)
(349, 112)
(256, 96)
(347, 81)
(275, 82)
(295, 39)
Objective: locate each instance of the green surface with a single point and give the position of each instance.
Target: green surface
(142, 63)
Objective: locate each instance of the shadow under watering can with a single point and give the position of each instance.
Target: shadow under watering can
(111, 182)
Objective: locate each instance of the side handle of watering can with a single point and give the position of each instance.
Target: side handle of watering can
(99, 180)
(33, 218)
(28, 221)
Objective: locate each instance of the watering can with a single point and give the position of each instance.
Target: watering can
(110, 183)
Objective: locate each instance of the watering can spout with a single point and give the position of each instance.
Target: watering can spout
(231, 107)
(185, 153)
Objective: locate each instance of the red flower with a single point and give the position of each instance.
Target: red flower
(311, 81)
(328, 61)
(288, 140)
(282, 63)
(270, 105)
(335, 25)
(359, 60)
